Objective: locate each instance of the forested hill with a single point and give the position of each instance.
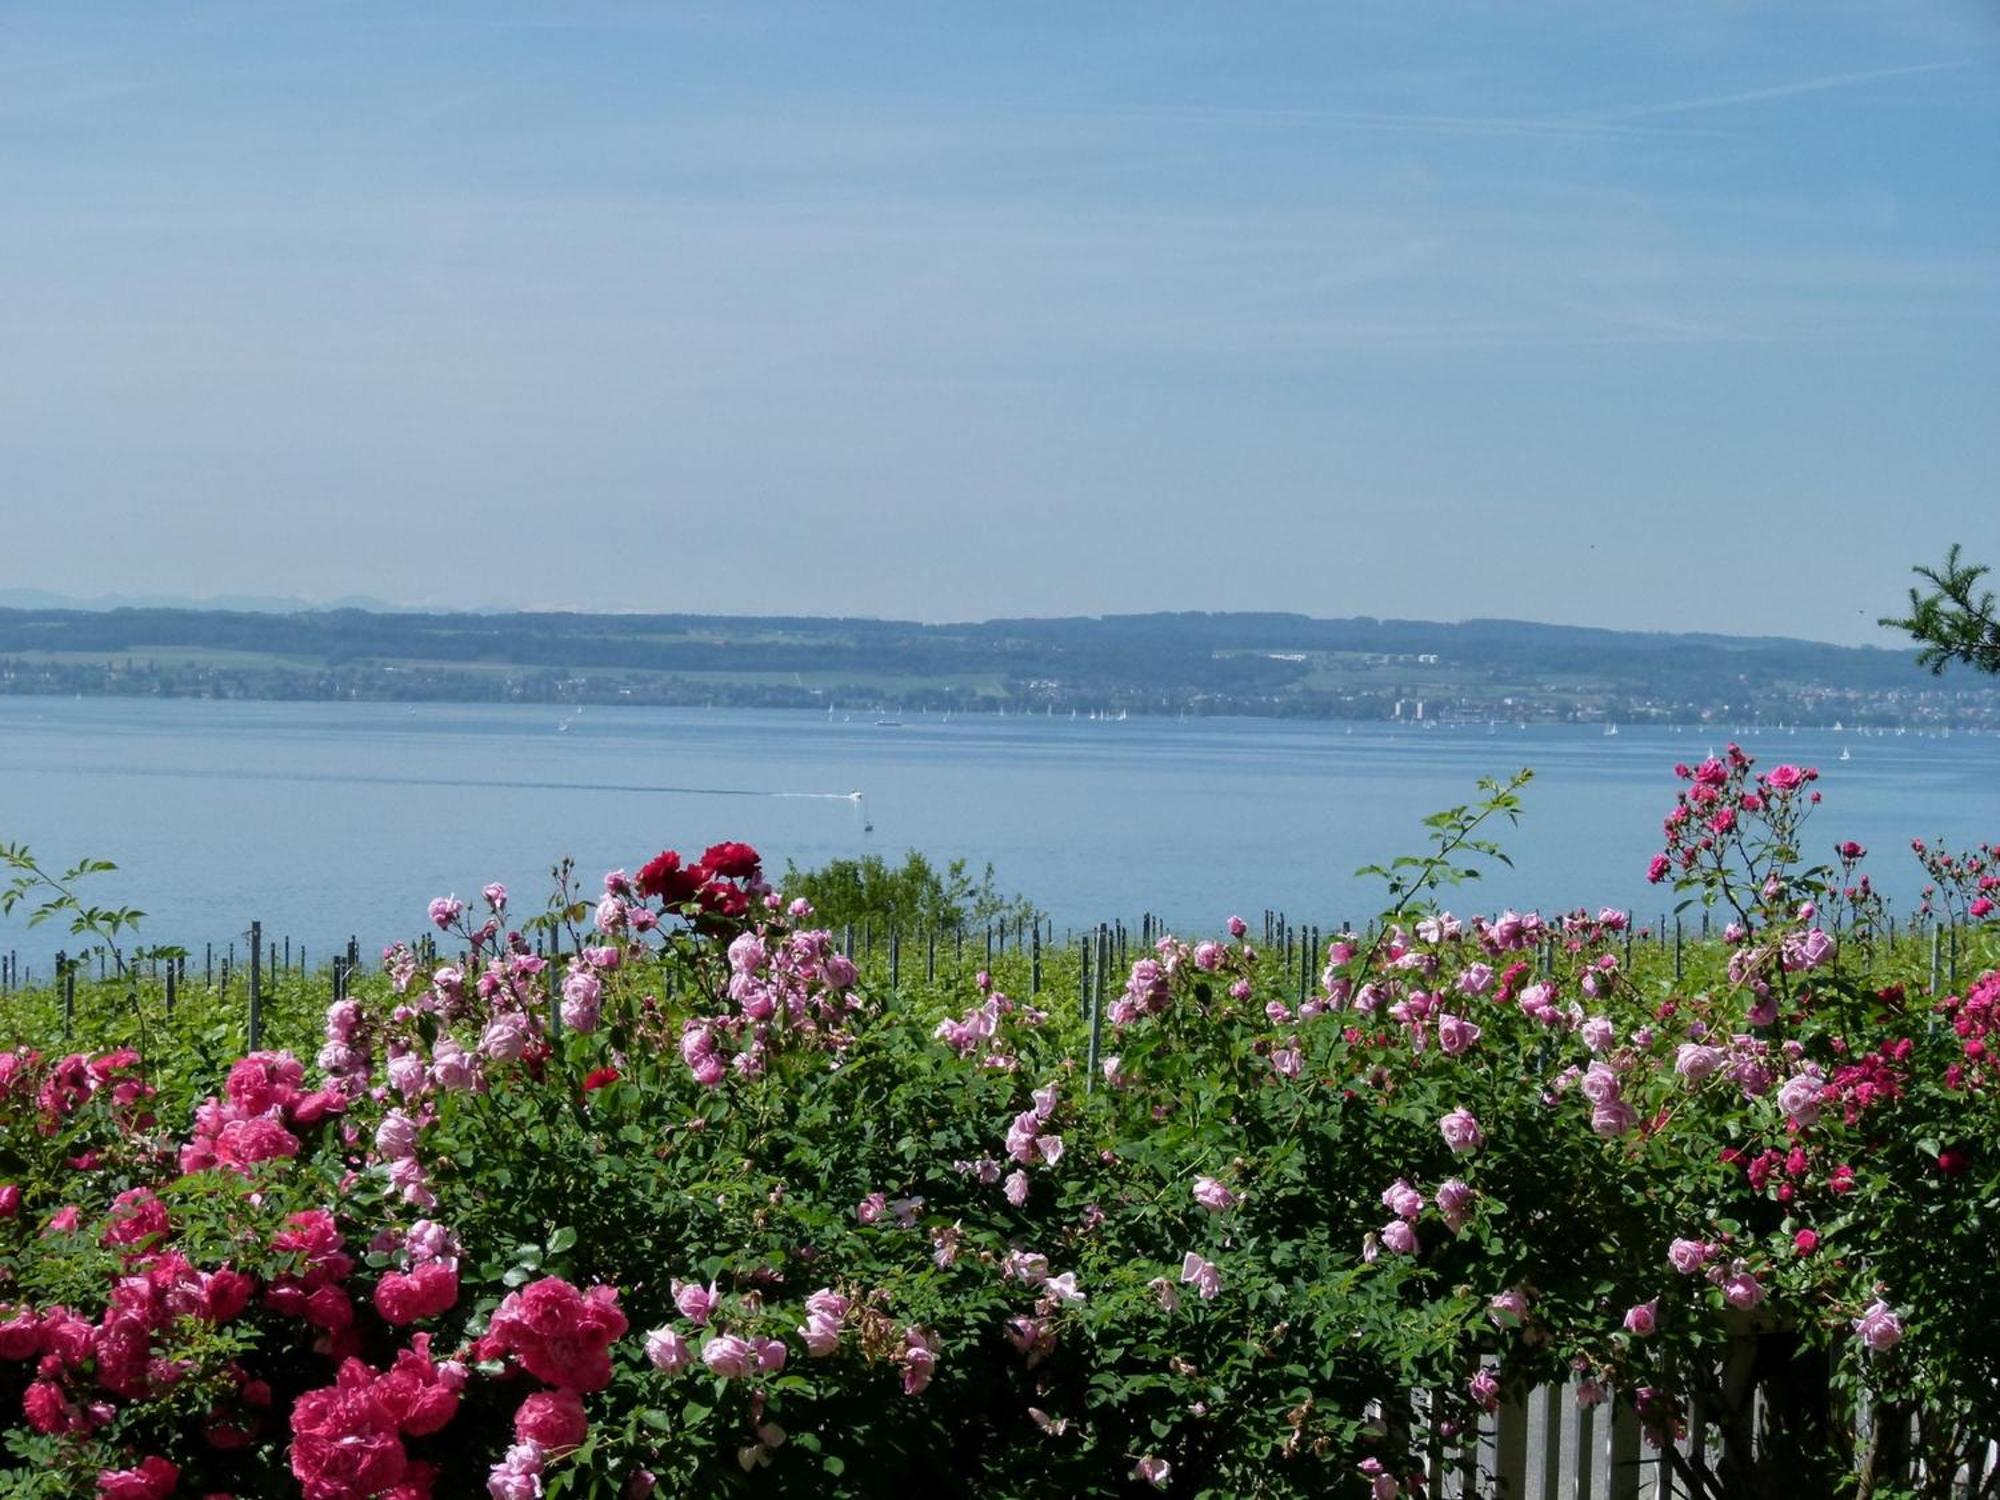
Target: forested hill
(1155, 663)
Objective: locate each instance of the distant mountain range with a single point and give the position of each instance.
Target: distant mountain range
(261, 604)
(1187, 662)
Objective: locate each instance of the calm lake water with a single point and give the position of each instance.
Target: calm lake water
(322, 820)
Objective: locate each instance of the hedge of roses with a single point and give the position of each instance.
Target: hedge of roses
(690, 1210)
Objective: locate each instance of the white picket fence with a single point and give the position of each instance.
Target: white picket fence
(1547, 1447)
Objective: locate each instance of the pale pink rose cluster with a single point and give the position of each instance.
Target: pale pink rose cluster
(1214, 1196)
(1028, 1139)
(1878, 1328)
(1611, 1114)
(1461, 1131)
(826, 1310)
(1202, 1274)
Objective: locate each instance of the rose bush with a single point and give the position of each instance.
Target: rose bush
(672, 1201)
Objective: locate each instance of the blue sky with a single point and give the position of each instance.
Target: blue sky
(1636, 315)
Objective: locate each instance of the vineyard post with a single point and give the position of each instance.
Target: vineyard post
(171, 987)
(1083, 975)
(555, 986)
(67, 981)
(1097, 1010)
(256, 986)
(1035, 969)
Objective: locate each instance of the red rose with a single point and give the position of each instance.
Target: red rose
(1953, 1160)
(664, 878)
(599, 1078)
(732, 861)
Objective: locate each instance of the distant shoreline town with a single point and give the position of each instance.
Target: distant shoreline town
(1194, 664)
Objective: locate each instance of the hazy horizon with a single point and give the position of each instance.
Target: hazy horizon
(1614, 316)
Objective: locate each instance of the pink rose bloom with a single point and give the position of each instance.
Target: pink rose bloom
(396, 1136)
(667, 1350)
(919, 1360)
(1153, 1471)
(1207, 1279)
(1016, 1187)
(1399, 1237)
(1208, 956)
(709, 1070)
(518, 1476)
(154, 1479)
(1599, 1034)
(1643, 1320)
(821, 1334)
(730, 1357)
(1509, 1309)
(1613, 1117)
(582, 993)
(453, 1069)
(1484, 1388)
(1237, 927)
(1063, 1287)
(1799, 1099)
(1879, 1328)
(429, 1289)
(871, 1209)
(1687, 1256)
(696, 1302)
(1213, 1196)
(1461, 1131)
(1694, 1061)
(446, 910)
(559, 1334)
(407, 1073)
(1600, 1083)
(505, 1037)
(1742, 1290)
(244, 1143)
(553, 1419)
(1454, 1202)
(1456, 1034)
(1402, 1200)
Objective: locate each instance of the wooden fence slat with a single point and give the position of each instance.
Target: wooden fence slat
(1622, 1454)
(1510, 1449)
(1553, 1402)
